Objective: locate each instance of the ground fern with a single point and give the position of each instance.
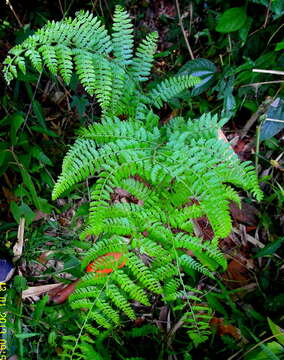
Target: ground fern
(175, 173)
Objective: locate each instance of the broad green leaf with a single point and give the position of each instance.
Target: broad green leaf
(80, 102)
(276, 330)
(22, 210)
(37, 108)
(270, 248)
(17, 120)
(267, 60)
(44, 206)
(229, 103)
(243, 32)
(202, 68)
(27, 335)
(20, 283)
(38, 311)
(27, 180)
(232, 20)
(271, 352)
(5, 157)
(215, 304)
(41, 130)
(279, 46)
(38, 154)
(274, 122)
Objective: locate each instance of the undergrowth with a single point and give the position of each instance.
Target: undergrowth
(176, 173)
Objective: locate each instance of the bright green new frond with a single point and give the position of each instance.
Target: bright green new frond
(196, 246)
(89, 291)
(65, 63)
(54, 44)
(197, 322)
(49, 57)
(84, 64)
(100, 319)
(170, 289)
(78, 164)
(164, 271)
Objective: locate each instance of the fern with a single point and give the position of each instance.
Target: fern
(163, 170)
(83, 46)
(174, 173)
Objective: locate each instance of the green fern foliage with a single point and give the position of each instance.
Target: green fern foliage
(175, 178)
(173, 174)
(122, 36)
(104, 63)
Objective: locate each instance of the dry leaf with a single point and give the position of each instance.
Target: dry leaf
(18, 247)
(62, 295)
(39, 290)
(222, 329)
(248, 214)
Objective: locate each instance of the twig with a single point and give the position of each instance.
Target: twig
(31, 103)
(263, 83)
(275, 120)
(260, 111)
(275, 32)
(267, 15)
(61, 9)
(14, 13)
(255, 346)
(274, 72)
(183, 31)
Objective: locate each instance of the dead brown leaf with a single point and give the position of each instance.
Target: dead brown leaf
(18, 247)
(224, 329)
(248, 214)
(39, 290)
(62, 294)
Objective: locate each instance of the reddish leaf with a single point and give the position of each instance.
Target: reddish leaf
(222, 329)
(62, 295)
(248, 214)
(112, 258)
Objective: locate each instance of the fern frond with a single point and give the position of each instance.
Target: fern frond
(55, 43)
(119, 300)
(65, 63)
(114, 244)
(170, 88)
(142, 273)
(188, 263)
(122, 36)
(134, 291)
(142, 62)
